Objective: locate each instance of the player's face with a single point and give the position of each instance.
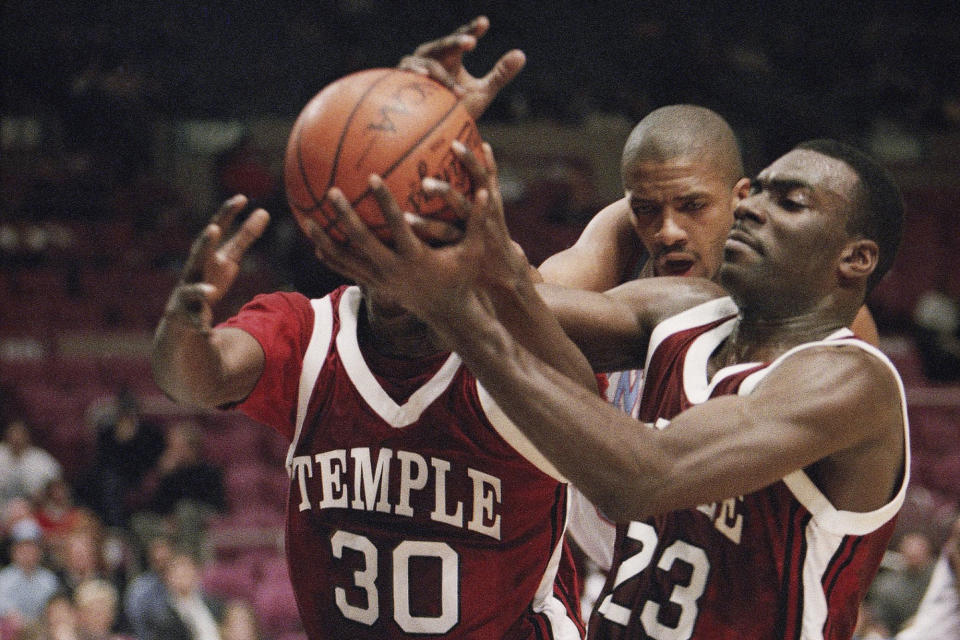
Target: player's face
(682, 210)
(788, 233)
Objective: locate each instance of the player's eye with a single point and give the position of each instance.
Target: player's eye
(791, 205)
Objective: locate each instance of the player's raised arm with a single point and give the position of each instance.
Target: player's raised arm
(442, 60)
(605, 255)
(612, 328)
(193, 363)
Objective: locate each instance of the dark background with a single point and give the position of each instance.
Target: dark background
(786, 70)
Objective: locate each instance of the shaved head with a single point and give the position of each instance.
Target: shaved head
(682, 131)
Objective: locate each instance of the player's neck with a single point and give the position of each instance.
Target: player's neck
(761, 339)
(397, 337)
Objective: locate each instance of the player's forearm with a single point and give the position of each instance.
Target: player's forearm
(561, 417)
(189, 365)
(528, 319)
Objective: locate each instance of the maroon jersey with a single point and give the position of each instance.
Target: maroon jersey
(781, 562)
(411, 509)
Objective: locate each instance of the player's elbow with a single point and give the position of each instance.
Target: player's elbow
(624, 505)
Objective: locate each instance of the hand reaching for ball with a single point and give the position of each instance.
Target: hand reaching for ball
(212, 265)
(430, 281)
(442, 60)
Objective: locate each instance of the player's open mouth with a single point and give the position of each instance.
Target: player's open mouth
(678, 266)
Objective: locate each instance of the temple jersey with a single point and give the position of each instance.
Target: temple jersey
(411, 516)
(780, 563)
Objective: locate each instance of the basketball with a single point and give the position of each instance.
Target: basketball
(394, 123)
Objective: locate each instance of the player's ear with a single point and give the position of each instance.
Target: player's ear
(740, 190)
(858, 259)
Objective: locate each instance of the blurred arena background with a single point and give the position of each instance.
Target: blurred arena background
(125, 123)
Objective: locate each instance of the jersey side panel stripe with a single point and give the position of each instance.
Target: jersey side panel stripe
(791, 608)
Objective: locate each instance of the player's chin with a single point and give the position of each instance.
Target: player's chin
(733, 274)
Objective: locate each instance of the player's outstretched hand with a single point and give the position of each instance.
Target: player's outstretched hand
(431, 281)
(213, 263)
(442, 60)
(504, 259)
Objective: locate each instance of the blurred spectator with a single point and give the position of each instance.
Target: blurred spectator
(57, 514)
(147, 591)
(13, 512)
(58, 622)
(187, 613)
(25, 585)
(127, 448)
(25, 469)
(937, 321)
(96, 605)
(187, 492)
(80, 560)
(938, 616)
(239, 621)
(896, 593)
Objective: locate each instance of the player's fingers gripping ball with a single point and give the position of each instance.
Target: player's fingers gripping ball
(389, 122)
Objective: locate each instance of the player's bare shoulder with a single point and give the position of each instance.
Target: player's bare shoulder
(845, 391)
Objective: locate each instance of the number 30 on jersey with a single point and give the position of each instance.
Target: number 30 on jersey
(366, 580)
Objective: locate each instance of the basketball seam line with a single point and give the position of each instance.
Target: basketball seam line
(410, 150)
(318, 202)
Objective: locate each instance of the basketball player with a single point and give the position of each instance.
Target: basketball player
(682, 176)
(762, 503)
(415, 508)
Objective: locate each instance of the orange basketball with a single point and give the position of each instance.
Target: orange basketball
(394, 123)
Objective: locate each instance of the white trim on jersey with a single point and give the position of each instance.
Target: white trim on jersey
(829, 517)
(545, 602)
(513, 436)
(374, 395)
(822, 544)
(697, 316)
(696, 385)
(395, 415)
(594, 534)
(313, 360)
(698, 388)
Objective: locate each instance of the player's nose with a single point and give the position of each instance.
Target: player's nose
(671, 230)
(749, 208)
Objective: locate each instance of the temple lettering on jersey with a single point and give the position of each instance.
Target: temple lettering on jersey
(352, 480)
